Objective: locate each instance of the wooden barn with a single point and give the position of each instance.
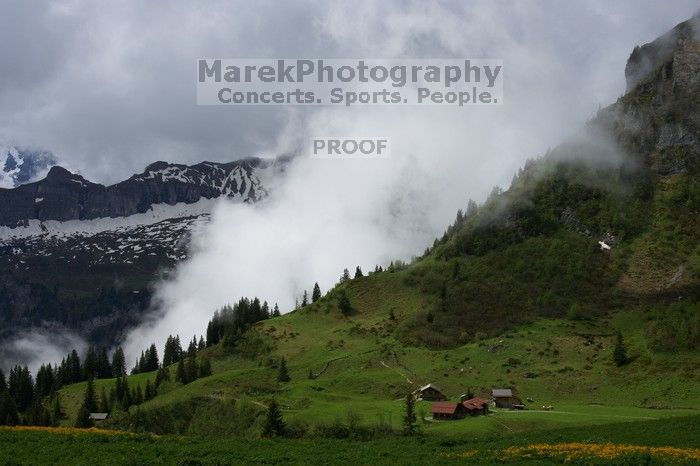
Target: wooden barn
(476, 406)
(447, 410)
(429, 392)
(503, 398)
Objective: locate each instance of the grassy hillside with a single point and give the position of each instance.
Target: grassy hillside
(361, 370)
(518, 293)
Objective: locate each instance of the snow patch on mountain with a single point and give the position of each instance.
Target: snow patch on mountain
(237, 182)
(157, 213)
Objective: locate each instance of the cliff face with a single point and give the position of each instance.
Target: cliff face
(63, 195)
(676, 51)
(657, 119)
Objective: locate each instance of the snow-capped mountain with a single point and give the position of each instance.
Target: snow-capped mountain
(65, 196)
(19, 166)
(84, 255)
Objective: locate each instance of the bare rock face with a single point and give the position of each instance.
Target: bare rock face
(657, 119)
(677, 51)
(63, 195)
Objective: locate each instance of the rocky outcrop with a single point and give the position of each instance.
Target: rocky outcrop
(656, 120)
(675, 51)
(63, 195)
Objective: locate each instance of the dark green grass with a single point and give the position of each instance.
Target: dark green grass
(50, 448)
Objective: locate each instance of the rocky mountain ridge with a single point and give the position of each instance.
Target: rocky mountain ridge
(84, 256)
(64, 196)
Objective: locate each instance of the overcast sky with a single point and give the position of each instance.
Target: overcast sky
(110, 86)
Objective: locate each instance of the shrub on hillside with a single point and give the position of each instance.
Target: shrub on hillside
(675, 328)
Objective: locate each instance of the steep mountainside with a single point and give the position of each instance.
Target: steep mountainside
(609, 220)
(83, 255)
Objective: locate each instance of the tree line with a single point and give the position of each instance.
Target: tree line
(230, 322)
(34, 401)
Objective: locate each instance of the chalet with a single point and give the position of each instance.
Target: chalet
(99, 416)
(503, 398)
(429, 393)
(448, 410)
(476, 406)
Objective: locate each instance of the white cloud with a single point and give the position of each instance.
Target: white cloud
(39, 345)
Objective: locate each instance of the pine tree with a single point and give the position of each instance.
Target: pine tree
(409, 420)
(56, 411)
(44, 380)
(8, 410)
(118, 363)
(460, 217)
(358, 272)
(472, 208)
(316, 293)
(191, 369)
(140, 365)
(162, 375)
(170, 353)
(346, 276)
(192, 348)
(212, 334)
(90, 363)
(274, 424)
(276, 311)
(90, 401)
(104, 369)
(205, 368)
(620, 351)
(305, 299)
(21, 387)
(3, 381)
(124, 393)
(180, 375)
(148, 391)
(344, 303)
(38, 415)
(151, 359)
(83, 420)
(137, 397)
(74, 371)
(283, 373)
